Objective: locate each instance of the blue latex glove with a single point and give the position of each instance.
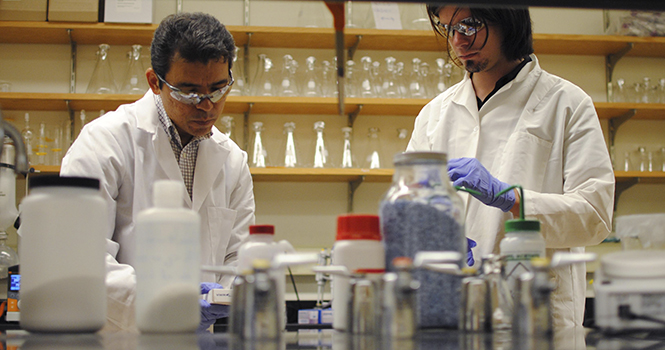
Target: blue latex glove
(469, 173)
(210, 312)
(469, 253)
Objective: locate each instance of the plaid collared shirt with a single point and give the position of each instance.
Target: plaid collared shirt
(185, 156)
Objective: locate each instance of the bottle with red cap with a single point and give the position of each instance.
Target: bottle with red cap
(358, 247)
(260, 244)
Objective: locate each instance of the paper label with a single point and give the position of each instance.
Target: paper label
(386, 15)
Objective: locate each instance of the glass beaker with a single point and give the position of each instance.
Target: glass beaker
(263, 85)
(321, 159)
(228, 127)
(290, 150)
(102, 81)
(135, 81)
(421, 212)
(373, 157)
(348, 160)
(238, 87)
(28, 138)
(288, 85)
(414, 16)
(365, 79)
(312, 84)
(259, 153)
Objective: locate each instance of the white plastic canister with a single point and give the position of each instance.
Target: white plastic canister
(523, 242)
(167, 263)
(64, 222)
(358, 247)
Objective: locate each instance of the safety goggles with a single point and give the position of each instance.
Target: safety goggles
(468, 26)
(192, 98)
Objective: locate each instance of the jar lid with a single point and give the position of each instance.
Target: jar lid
(634, 264)
(262, 229)
(63, 181)
(358, 226)
(419, 158)
(522, 225)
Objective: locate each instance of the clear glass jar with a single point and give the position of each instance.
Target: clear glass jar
(422, 212)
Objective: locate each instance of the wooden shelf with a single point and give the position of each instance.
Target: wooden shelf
(655, 177)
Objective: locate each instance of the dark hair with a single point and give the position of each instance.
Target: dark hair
(197, 37)
(514, 24)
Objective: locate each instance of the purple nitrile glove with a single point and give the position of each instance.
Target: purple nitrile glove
(210, 312)
(469, 253)
(469, 173)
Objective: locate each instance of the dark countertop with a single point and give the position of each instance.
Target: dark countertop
(569, 339)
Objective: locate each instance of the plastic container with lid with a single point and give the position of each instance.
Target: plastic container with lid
(64, 222)
(167, 262)
(358, 247)
(260, 244)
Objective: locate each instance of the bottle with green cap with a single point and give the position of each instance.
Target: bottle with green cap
(523, 242)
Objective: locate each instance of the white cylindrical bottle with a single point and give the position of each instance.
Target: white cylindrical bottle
(260, 244)
(357, 247)
(523, 242)
(64, 222)
(167, 263)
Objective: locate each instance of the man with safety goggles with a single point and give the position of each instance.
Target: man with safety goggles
(510, 122)
(169, 134)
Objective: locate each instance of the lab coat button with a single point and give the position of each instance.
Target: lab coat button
(475, 129)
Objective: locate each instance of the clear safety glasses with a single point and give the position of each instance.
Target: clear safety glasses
(468, 26)
(192, 98)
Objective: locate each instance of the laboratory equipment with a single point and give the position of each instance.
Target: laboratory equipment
(399, 300)
(288, 85)
(28, 138)
(8, 212)
(135, 81)
(373, 159)
(630, 291)
(261, 319)
(20, 154)
(239, 86)
(82, 117)
(5, 86)
(41, 147)
(328, 80)
(228, 127)
(352, 79)
(291, 153)
(58, 217)
(348, 160)
(259, 153)
(416, 80)
(263, 82)
(357, 247)
(312, 84)
(167, 262)
(422, 212)
(365, 80)
(102, 80)
(390, 88)
(321, 159)
(57, 146)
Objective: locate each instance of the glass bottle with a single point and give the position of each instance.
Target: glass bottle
(329, 80)
(377, 79)
(42, 145)
(351, 82)
(428, 89)
(640, 159)
(288, 85)
(312, 84)
(28, 138)
(259, 153)
(416, 82)
(135, 81)
(373, 158)
(348, 161)
(228, 127)
(290, 150)
(422, 212)
(238, 88)
(365, 80)
(262, 85)
(400, 78)
(102, 81)
(321, 159)
(390, 87)
(619, 93)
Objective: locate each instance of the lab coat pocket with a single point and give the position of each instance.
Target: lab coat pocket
(526, 160)
(219, 230)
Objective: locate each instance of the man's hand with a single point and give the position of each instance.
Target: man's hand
(210, 312)
(469, 173)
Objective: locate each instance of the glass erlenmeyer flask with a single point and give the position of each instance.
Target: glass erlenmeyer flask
(262, 85)
(416, 88)
(288, 85)
(312, 84)
(329, 79)
(365, 79)
(28, 138)
(442, 76)
(400, 78)
(238, 87)
(373, 158)
(414, 16)
(56, 146)
(320, 151)
(390, 87)
(290, 150)
(348, 160)
(351, 81)
(135, 81)
(377, 79)
(102, 81)
(428, 89)
(42, 145)
(259, 154)
(402, 139)
(228, 127)
(314, 14)
(82, 118)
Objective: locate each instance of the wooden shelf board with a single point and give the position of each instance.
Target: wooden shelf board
(607, 110)
(278, 174)
(655, 177)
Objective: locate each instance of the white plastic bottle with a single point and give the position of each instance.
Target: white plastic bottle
(64, 222)
(260, 244)
(523, 242)
(167, 263)
(357, 247)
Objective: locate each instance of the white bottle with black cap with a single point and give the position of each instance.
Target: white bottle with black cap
(167, 263)
(64, 223)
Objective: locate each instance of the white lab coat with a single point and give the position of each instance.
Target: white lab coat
(542, 132)
(129, 150)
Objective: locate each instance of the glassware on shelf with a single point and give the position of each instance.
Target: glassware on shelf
(263, 85)
(373, 158)
(57, 146)
(390, 86)
(321, 159)
(135, 81)
(402, 83)
(639, 159)
(348, 160)
(82, 118)
(259, 153)
(312, 84)
(328, 79)
(417, 82)
(377, 79)
(659, 160)
(102, 81)
(627, 166)
(351, 86)
(41, 152)
(414, 16)
(239, 86)
(314, 14)
(402, 139)
(443, 72)
(619, 91)
(648, 91)
(5, 86)
(228, 127)
(365, 79)
(290, 159)
(28, 139)
(288, 85)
